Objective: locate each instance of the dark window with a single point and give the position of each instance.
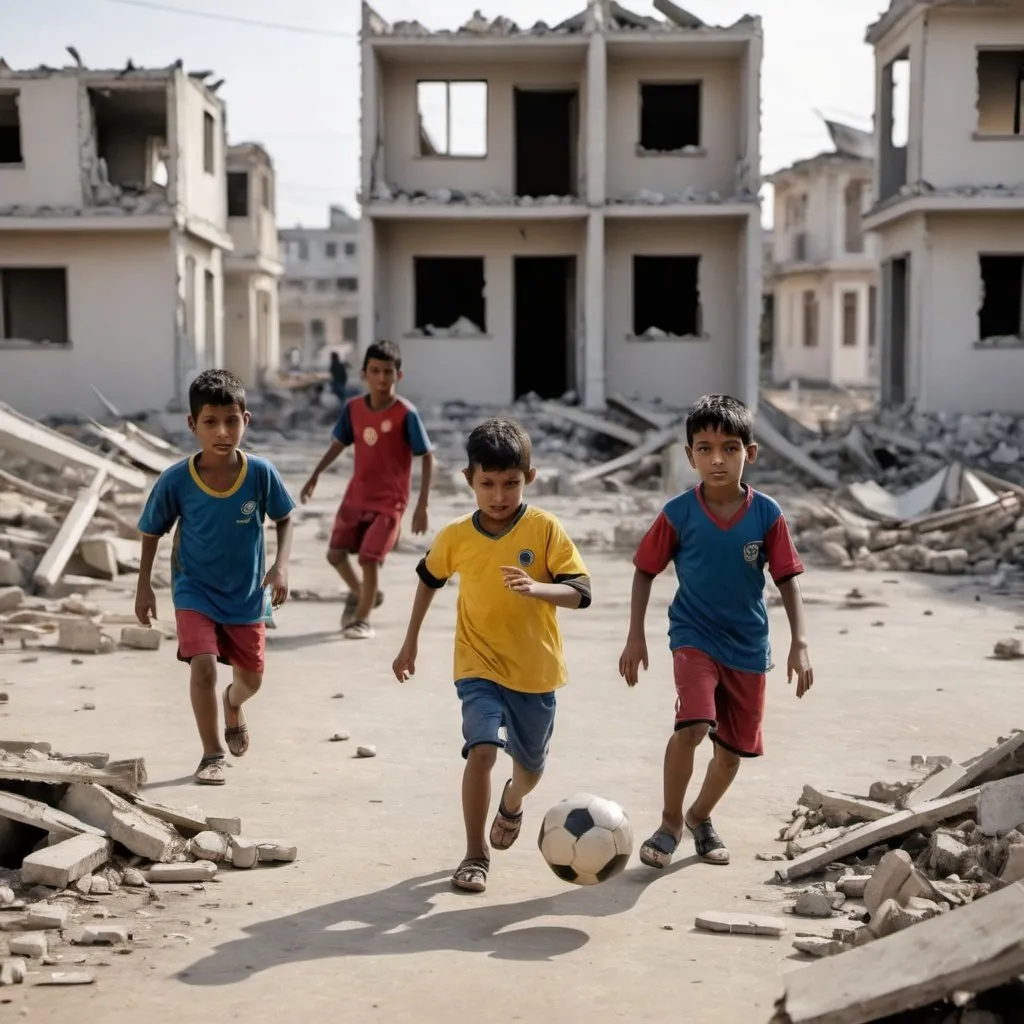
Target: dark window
(350, 328)
(238, 194)
(10, 129)
(316, 329)
(810, 325)
(669, 116)
(1000, 91)
(872, 316)
(1002, 279)
(208, 142)
(34, 304)
(347, 284)
(853, 202)
(350, 248)
(330, 250)
(666, 296)
(449, 289)
(849, 319)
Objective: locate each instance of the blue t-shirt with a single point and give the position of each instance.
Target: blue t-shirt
(219, 557)
(719, 607)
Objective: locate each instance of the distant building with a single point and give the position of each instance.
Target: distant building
(824, 267)
(113, 230)
(949, 203)
(252, 347)
(320, 290)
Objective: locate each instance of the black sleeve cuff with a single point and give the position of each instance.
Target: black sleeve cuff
(424, 574)
(581, 584)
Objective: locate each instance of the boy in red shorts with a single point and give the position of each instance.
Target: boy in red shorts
(219, 498)
(386, 432)
(721, 535)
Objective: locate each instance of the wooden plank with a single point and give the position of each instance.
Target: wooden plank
(122, 777)
(135, 450)
(60, 865)
(647, 418)
(27, 437)
(766, 433)
(589, 421)
(71, 532)
(958, 777)
(40, 815)
(973, 948)
(652, 444)
(898, 824)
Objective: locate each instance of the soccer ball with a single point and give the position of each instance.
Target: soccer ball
(586, 839)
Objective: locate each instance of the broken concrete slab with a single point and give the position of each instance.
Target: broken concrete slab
(739, 924)
(589, 421)
(918, 886)
(959, 777)
(229, 826)
(58, 866)
(853, 886)
(1013, 869)
(890, 876)
(40, 815)
(67, 978)
(211, 846)
(814, 840)
(123, 776)
(81, 636)
(32, 945)
(243, 853)
(819, 946)
(191, 819)
(841, 805)
(650, 446)
(1001, 805)
(103, 935)
(944, 854)
(200, 871)
(46, 917)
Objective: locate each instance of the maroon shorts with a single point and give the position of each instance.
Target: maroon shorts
(730, 701)
(370, 535)
(242, 646)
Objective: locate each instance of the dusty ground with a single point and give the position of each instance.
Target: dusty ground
(364, 922)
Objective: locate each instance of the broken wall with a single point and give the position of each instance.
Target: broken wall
(406, 169)
(722, 131)
(48, 116)
(120, 320)
(475, 369)
(202, 193)
(953, 155)
(676, 370)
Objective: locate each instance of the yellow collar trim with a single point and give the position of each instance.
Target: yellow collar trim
(198, 480)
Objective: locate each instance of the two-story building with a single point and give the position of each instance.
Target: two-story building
(320, 290)
(949, 203)
(113, 226)
(568, 208)
(824, 266)
(252, 348)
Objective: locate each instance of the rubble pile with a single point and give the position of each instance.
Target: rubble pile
(907, 853)
(78, 831)
(385, 192)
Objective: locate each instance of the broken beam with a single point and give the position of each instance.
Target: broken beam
(650, 446)
(58, 866)
(773, 439)
(957, 777)
(135, 450)
(123, 777)
(40, 815)
(589, 421)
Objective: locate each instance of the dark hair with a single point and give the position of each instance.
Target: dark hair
(720, 413)
(215, 387)
(497, 446)
(384, 350)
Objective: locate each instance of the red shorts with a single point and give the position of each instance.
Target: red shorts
(242, 646)
(370, 535)
(730, 701)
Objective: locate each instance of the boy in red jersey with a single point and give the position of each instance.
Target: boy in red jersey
(386, 432)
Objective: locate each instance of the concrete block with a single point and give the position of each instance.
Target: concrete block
(44, 916)
(11, 598)
(67, 978)
(892, 872)
(890, 918)
(32, 945)
(813, 903)
(244, 853)
(142, 638)
(229, 826)
(200, 871)
(1013, 869)
(853, 886)
(917, 886)
(58, 866)
(209, 846)
(99, 886)
(739, 924)
(104, 935)
(818, 946)
(281, 852)
(12, 972)
(80, 636)
(11, 573)
(1001, 805)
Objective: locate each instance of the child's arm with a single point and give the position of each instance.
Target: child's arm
(329, 456)
(404, 666)
(161, 511)
(562, 595)
(420, 522)
(634, 654)
(799, 663)
(145, 599)
(277, 574)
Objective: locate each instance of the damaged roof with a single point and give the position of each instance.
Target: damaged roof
(899, 8)
(608, 15)
(852, 145)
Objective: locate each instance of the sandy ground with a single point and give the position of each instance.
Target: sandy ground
(364, 926)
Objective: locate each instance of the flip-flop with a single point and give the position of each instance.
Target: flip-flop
(237, 737)
(506, 827)
(657, 851)
(471, 874)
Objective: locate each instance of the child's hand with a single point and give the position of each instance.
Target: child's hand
(277, 580)
(404, 666)
(145, 604)
(307, 489)
(799, 665)
(519, 581)
(420, 521)
(634, 654)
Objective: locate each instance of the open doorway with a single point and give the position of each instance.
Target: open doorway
(545, 322)
(895, 290)
(546, 123)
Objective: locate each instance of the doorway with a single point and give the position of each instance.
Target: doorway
(895, 290)
(544, 330)
(546, 123)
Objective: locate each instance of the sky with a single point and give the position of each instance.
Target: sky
(293, 83)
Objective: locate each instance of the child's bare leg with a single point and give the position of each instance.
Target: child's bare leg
(203, 692)
(720, 774)
(678, 769)
(343, 564)
(244, 686)
(368, 592)
(523, 783)
(508, 821)
(476, 797)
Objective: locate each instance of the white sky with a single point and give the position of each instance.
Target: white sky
(298, 93)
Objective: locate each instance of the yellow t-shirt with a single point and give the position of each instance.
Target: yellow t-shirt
(505, 637)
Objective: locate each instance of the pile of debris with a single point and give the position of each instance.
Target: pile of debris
(648, 197)
(949, 848)
(385, 192)
(79, 830)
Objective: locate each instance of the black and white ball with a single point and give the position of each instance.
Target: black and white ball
(586, 839)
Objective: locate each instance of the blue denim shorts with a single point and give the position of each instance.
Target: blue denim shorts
(528, 720)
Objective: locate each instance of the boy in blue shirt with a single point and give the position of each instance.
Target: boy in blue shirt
(721, 535)
(218, 498)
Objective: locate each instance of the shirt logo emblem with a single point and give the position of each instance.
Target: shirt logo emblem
(385, 427)
(248, 507)
(752, 552)
(526, 558)
(370, 436)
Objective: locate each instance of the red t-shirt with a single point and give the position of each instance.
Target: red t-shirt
(384, 443)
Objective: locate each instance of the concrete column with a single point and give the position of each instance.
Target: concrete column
(367, 283)
(750, 110)
(369, 118)
(748, 283)
(594, 374)
(597, 121)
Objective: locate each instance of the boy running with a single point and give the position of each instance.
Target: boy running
(219, 498)
(720, 535)
(386, 432)
(516, 565)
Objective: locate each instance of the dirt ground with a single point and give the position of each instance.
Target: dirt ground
(364, 923)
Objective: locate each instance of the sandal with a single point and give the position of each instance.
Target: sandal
(506, 827)
(352, 603)
(236, 737)
(359, 629)
(708, 842)
(210, 771)
(657, 851)
(471, 874)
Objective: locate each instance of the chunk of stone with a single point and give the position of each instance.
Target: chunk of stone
(1013, 869)
(99, 886)
(133, 877)
(244, 853)
(67, 978)
(60, 865)
(209, 846)
(32, 945)
(853, 886)
(818, 946)
(1001, 805)
(813, 903)
(944, 854)
(44, 916)
(13, 972)
(7, 896)
(1008, 650)
(739, 924)
(103, 935)
(280, 852)
(918, 886)
(369, 750)
(229, 826)
(892, 872)
(141, 638)
(10, 598)
(199, 871)
(80, 636)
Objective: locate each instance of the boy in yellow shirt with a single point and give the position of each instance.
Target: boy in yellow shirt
(516, 565)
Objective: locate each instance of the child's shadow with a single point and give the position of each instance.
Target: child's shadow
(398, 921)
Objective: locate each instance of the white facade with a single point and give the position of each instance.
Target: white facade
(563, 209)
(320, 290)
(825, 267)
(113, 230)
(949, 204)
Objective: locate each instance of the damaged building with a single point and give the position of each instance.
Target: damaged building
(949, 203)
(824, 265)
(113, 230)
(563, 208)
